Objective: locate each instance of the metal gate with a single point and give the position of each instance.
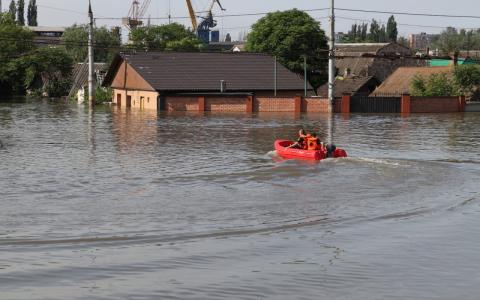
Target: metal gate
(365, 104)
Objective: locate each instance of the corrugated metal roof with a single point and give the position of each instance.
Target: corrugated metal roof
(399, 82)
(176, 71)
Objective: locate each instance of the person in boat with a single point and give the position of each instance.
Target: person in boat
(313, 142)
(301, 142)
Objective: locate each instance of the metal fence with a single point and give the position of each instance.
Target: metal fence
(365, 104)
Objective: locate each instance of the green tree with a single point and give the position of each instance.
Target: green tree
(12, 10)
(374, 35)
(172, 36)
(15, 43)
(449, 41)
(106, 43)
(435, 85)
(290, 36)
(392, 30)
(51, 67)
(382, 35)
(21, 12)
(467, 78)
(32, 13)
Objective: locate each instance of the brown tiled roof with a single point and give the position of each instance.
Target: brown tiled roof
(349, 85)
(201, 71)
(358, 65)
(359, 48)
(399, 82)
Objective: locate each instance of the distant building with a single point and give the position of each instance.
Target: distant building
(373, 59)
(421, 41)
(45, 36)
(339, 37)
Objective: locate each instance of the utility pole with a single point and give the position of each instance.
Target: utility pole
(331, 56)
(91, 88)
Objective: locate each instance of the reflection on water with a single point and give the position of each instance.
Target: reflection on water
(127, 204)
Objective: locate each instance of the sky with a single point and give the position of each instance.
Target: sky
(68, 12)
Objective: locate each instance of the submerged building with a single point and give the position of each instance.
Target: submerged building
(191, 81)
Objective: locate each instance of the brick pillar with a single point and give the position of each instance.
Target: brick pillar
(249, 104)
(298, 104)
(405, 106)
(345, 109)
(462, 103)
(201, 104)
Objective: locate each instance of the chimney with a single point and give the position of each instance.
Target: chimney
(347, 73)
(223, 86)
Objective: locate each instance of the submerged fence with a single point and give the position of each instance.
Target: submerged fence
(367, 104)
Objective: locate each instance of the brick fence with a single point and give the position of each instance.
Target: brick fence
(248, 104)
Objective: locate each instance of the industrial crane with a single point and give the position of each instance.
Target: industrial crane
(136, 13)
(203, 29)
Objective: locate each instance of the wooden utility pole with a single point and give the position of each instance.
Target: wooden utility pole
(331, 56)
(91, 85)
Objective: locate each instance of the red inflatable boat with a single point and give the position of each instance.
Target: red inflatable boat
(291, 153)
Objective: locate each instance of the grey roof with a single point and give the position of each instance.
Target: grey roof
(202, 71)
(349, 85)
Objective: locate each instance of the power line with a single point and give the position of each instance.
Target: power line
(402, 24)
(408, 13)
(223, 16)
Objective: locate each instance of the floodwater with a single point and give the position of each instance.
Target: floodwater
(122, 204)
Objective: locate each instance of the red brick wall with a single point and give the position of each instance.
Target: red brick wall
(316, 105)
(271, 104)
(434, 104)
(181, 104)
(233, 104)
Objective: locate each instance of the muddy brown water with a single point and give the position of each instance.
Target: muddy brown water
(122, 204)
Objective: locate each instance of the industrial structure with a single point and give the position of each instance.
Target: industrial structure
(203, 30)
(135, 14)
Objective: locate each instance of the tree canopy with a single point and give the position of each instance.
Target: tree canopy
(23, 66)
(107, 43)
(21, 12)
(290, 36)
(15, 43)
(376, 33)
(452, 40)
(392, 30)
(32, 13)
(170, 37)
(464, 80)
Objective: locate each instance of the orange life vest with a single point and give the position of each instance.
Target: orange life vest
(312, 143)
(306, 140)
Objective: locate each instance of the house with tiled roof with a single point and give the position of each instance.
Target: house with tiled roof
(147, 79)
(400, 81)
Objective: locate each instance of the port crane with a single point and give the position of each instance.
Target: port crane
(203, 29)
(136, 13)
